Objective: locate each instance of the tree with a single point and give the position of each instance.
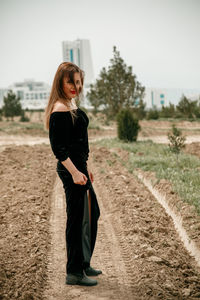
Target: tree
(187, 107)
(168, 111)
(12, 106)
(127, 126)
(153, 114)
(116, 87)
(24, 118)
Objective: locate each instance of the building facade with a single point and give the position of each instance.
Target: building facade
(155, 97)
(79, 53)
(32, 94)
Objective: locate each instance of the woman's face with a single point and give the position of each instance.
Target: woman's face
(69, 88)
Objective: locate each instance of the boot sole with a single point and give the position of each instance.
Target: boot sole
(88, 274)
(80, 283)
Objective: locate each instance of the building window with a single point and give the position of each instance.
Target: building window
(79, 59)
(71, 55)
(41, 96)
(20, 95)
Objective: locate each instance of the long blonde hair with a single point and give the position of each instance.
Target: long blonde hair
(65, 69)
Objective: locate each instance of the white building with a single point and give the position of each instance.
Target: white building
(159, 97)
(32, 94)
(79, 53)
(3, 92)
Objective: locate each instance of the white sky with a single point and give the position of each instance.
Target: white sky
(159, 38)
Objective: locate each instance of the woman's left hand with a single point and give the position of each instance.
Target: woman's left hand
(91, 176)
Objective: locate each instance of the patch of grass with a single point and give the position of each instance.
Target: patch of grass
(102, 171)
(184, 175)
(110, 162)
(94, 124)
(34, 126)
(22, 127)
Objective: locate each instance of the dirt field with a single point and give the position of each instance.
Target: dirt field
(27, 176)
(157, 127)
(138, 248)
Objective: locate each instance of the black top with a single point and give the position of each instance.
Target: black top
(69, 139)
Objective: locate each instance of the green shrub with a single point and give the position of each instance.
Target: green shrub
(127, 125)
(153, 114)
(176, 140)
(23, 117)
(168, 111)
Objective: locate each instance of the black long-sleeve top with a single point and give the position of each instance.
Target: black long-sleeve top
(69, 139)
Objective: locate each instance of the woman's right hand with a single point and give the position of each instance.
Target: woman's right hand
(79, 178)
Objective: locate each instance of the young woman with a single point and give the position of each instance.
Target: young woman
(68, 135)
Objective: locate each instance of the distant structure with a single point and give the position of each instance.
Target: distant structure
(157, 97)
(32, 94)
(3, 92)
(79, 53)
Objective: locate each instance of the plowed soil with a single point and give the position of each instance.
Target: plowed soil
(137, 247)
(27, 177)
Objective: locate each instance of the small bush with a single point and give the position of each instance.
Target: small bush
(127, 126)
(153, 114)
(23, 117)
(176, 140)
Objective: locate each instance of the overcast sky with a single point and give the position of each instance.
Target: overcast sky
(160, 39)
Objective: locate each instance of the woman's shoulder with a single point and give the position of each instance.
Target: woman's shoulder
(59, 107)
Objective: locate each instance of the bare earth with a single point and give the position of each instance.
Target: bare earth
(138, 248)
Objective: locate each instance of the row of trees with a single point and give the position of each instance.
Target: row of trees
(185, 109)
(117, 88)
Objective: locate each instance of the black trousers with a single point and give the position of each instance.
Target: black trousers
(80, 232)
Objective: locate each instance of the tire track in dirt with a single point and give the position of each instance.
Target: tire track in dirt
(114, 283)
(110, 253)
(56, 256)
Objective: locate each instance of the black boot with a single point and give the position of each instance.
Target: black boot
(80, 279)
(89, 271)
